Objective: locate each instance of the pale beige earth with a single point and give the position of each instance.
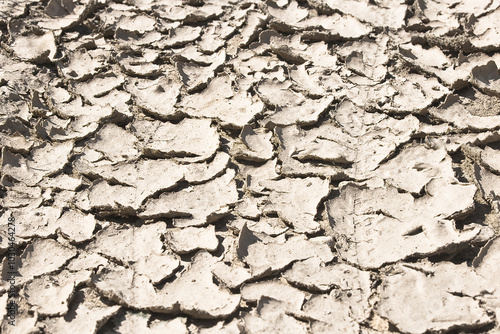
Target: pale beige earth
(226, 166)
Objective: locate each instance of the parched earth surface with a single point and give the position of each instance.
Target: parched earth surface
(280, 166)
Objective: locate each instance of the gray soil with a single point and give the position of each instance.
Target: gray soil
(225, 166)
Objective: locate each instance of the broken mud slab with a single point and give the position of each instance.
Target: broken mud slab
(44, 160)
(416, 166)
(265, 258)
(219, 100)
(364, 215)
(195, 139)
(197, 205)
(333, 147)
(457, 300)
(210, 303)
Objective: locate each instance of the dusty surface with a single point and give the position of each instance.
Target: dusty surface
(280, 166)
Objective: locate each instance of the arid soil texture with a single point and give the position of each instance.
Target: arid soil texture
(225, 166)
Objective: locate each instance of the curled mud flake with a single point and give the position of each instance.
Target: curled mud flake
(268, 225)
(192, 14)
(314, 275)
(487, 78)
(65, 14)
(416, 165)
(296, 201)
(25, 321)
(37, 222)
(50, 294)
(136, 23)
(456, 113)
(16, 143)
(36, 49)
(180, 36)
(116, 151)
(99, 85)
(329, 314)
(196, 77)
(324, 149)
(270, 314)
(142, 241)
(253, 145)
(59, 8)
(314, 82)
(11, 9)
(331, 28)
(76, 226)
(209, 301)
(304, 114)
(215, 35)
(82, 64)
(205, 171)
(142, 322)
(141, 65)
(86, 261)
(486, 265)
(291, 297)
(232, 276)
(367, 57)
(88, 313)
(412, 93)
(157, 97)
(250, 31)
(219, 100)
(193, 140)
(232, 327)
(128, 288)
(190, 239)
(491, 159)
(255, 177)
(489, 184)
(277, 94)
(17, 196)
(383, 14)
(157, 267)
(44, 160)
(40, 257)
(291, 14)
(487, 36)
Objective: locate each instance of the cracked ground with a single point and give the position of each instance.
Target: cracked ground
(225, 166)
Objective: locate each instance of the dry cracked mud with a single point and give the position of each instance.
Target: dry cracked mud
(255, 166)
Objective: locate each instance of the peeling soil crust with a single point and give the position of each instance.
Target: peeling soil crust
(224, 166)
